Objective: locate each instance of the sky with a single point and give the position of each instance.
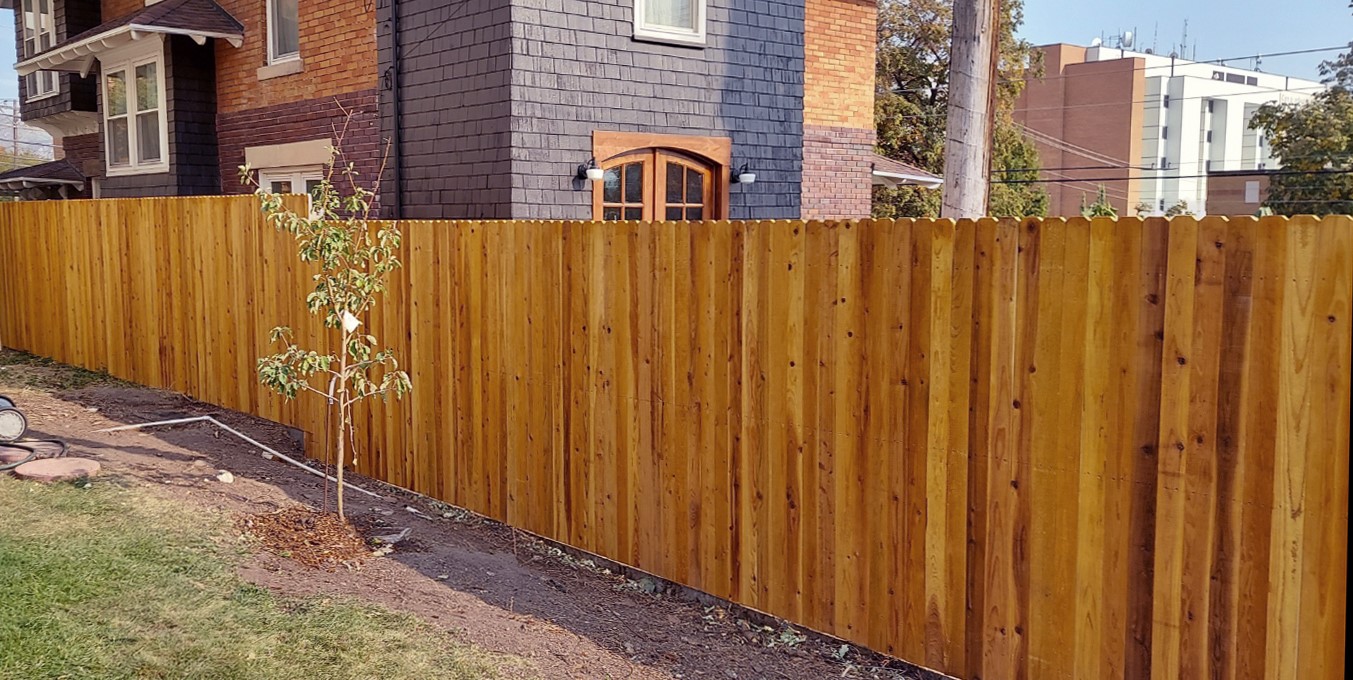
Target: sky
(1219, 29)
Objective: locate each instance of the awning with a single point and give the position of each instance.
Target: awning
(45, 175)
(891, 173)
(197, 19)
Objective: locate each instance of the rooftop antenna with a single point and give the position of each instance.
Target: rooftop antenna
(1155, 34)
(1184, 42)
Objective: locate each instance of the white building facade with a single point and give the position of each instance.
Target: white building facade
(1196, 120)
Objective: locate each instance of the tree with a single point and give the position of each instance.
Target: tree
(1102, 207)
(1314, 143)
(355, 257)
(911, 103)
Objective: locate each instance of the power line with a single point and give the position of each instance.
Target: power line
(1120, 179)
(1184, 63)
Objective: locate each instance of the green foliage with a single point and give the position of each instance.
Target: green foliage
(354, 258)
(1102, 207)
(910, 107)
(1314, 143)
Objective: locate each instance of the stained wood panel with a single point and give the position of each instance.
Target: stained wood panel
(1000, 449)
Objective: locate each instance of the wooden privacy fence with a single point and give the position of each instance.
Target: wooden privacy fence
(1000, 449)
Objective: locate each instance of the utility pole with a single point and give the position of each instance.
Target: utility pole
(967, 146)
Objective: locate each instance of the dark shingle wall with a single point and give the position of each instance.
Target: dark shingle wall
(190, 108)
(500, 99)
(76, 93)
(454, 106)
(577, 69)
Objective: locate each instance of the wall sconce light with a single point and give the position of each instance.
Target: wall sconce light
(744, 176)
(589, 170)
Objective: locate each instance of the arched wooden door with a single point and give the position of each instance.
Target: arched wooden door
(656, 184)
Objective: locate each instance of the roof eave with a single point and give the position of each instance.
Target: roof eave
(79, 56)
(893, 179)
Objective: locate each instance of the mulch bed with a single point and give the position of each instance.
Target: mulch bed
(319, 540)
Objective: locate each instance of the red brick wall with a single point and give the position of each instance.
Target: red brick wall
(338, 47)
(837, 167)
(312, 119)
(85, 152)
(838, 108)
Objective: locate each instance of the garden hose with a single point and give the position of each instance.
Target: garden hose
(13, 427)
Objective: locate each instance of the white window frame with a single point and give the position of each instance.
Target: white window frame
(298, 175)
(148, 50)
(669, 34)
(39, 84)
(281, 58)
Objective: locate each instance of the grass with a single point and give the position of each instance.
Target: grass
(107, 582)
(21, 369)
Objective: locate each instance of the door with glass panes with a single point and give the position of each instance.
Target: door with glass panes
(654, 185)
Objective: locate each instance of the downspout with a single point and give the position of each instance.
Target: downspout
(397, 122)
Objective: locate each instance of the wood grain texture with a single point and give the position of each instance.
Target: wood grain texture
(1001, 449)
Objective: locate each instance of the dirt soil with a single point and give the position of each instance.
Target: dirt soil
(497, 588)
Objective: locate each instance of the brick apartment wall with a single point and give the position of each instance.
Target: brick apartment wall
(1226, 193)
(576, 68)
(1095, 106)
(455, 108)
(837, 167)
(838, 77)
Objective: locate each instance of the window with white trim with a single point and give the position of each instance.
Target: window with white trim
(681, 21)
(298, 180)
(136, 132)
(284, 30)
(39, 34)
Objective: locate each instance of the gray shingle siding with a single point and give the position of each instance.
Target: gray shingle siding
(75, 93)
(454, 104)
(577, 68)
(500, 99)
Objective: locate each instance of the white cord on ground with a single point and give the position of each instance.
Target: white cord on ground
(269, 453)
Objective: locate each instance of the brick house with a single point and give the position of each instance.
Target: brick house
(693, 109)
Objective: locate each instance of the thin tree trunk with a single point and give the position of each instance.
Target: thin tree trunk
(342, 418)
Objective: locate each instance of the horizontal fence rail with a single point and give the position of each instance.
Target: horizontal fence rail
(999, 449)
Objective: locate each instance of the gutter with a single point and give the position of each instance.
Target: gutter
(397, 122)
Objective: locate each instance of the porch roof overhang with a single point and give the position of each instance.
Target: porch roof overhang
(50, 174)
(890, 173)
(197, 19)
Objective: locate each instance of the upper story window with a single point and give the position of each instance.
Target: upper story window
(135, 128)
(679, 21)
(39, 34)
(284, 30)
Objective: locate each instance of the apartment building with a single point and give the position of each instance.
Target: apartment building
(693, 109)
(1149, 128)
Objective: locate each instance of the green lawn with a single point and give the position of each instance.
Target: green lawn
(106, 582)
